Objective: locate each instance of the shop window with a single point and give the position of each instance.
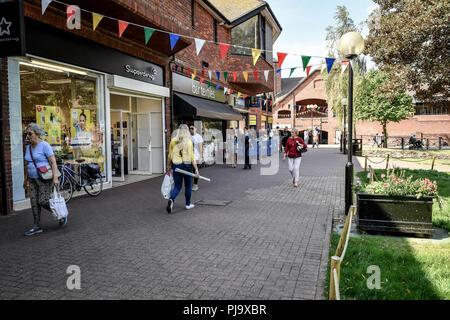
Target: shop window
(66, 104)
(246, 34)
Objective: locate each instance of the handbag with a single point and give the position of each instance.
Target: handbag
(300, 148)
(58, 205)
(44, 172)
(167, 186)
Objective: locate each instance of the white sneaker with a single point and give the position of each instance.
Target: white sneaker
(194, 187)
(190, 206)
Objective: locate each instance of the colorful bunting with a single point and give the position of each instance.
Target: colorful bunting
(281, 56)
(218, 75)
(329, 62)
(292, 71)
(225, 76)
(45, 4)
(278, 71)
(189, 72)
(209, 74)
(266, 75)
(305, 60)
(148, 34)
(245, 76)
(234, 76)
(224, 49)
(308, 69)
(255, 74)
(199, 45)
(96, 18)
(256, 53)
(201, 80)
(122, 26)
(217, 87)
(203, 73)
(173, 40)
(194, 74)
(344, 65)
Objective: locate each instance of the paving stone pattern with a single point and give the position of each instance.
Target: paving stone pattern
(270, 242)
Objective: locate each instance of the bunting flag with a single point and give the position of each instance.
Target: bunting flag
(217, 87)
(344, 65)
(148, 34)
(278, 71)
(199, 45)
(218, 75)
(259, 101)
(245, 76)
(209, 74)
(256, 53)
(73, 17)
(234, 76)
(225, 76)
(45, 4)
(189, 72)
(255, 74)
(292, 71)
(209, 84)
(225, 89)
(176, 68)
(238, 95)
(289, 106)
(245, 96)
(201, 80)
(173, 40)
(194, 74)
(96, 18)
(323, 67)
(305, 60)
(122, 26)
(308, 69)
(231, 91)
(224, 49)
(266, 75)
(281, 56)
(203, 73)
(329, 62)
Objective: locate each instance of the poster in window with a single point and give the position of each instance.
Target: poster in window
(81, 128)
(49, 118)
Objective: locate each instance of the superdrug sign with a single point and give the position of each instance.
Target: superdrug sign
(12, 29)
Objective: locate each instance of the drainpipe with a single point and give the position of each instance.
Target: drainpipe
(2, 153)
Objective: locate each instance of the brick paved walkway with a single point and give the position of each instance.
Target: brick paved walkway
(270, 242)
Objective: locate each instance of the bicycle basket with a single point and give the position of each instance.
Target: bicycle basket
(93, 169)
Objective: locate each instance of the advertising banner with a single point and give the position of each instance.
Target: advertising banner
(81, 126)
(49, 118)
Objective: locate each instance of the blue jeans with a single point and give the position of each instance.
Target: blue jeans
(178, 179)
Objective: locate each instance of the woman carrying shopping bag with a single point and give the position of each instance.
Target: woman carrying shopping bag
(40, 160)
(293, 151)
(181, 155)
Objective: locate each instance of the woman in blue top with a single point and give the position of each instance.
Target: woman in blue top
(40, 190)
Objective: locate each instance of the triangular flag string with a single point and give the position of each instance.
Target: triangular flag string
(199, 45)
(255, 54)
(281, 56)
(329, 62)
(173, 40)
(45, 4)
(122, 26)
(224, 49)
(96, 18)
(305, 60)
(148, 34)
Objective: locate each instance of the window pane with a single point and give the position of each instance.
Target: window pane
(66, 106)
(246, 35)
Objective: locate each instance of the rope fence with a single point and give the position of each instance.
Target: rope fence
(388, 157)
(336, 260)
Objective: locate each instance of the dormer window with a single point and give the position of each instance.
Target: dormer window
(246, 34)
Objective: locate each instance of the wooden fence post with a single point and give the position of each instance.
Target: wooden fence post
(365, 164)
(432, 163)
(334, 265)
(387, 162)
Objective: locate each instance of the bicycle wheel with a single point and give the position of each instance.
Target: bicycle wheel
(94, 185)
(65, 188)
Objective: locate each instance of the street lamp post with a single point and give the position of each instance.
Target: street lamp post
(344, 104)
(350, 46)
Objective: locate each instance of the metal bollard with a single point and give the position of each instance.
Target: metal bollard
(403, 143)
(440, 143)
(428, 143)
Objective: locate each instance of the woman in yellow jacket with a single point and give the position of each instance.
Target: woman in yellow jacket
(181, 155)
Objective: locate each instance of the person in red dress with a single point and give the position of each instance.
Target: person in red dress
(294, 156)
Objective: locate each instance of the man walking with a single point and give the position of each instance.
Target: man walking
(197, 141)
(247, 150)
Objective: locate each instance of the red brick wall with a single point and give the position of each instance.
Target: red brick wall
(5, 136)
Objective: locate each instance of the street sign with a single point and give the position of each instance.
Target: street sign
(12, 28)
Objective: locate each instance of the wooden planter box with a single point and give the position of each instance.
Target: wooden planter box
(394, 214)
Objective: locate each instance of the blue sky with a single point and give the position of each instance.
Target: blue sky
(304, 23)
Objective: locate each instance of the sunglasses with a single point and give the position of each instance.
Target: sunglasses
(191, 128)
(29, 134)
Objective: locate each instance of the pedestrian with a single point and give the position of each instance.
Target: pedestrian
(235, 150)
(294, 156)
(315, 134)
(375, 140)
(286, 135)
(247, 164)
(197, 140)
(305, 136)
(181, 155)
(39, 154)
(382, 142)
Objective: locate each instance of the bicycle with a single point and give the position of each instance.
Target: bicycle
(88, 177)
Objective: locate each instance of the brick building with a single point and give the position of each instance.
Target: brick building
(114, 80)
(431, 124)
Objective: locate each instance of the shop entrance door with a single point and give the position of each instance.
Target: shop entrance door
(118, 139)
(144, 143)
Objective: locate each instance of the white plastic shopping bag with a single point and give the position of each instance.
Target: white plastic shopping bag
(167, 186)
(58, 205)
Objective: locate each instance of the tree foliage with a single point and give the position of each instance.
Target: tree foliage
(410, 40)
(372, 103)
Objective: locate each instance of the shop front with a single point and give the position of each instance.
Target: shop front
(87, 97)
(205, 107)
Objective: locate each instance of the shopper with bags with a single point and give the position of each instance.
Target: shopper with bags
(181, 155)
(41, 175)
(295, 146)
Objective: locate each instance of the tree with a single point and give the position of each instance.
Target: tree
(373, 103)
(409, 39)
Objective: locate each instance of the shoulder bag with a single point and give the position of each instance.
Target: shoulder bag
(300, 148)
(44, 172)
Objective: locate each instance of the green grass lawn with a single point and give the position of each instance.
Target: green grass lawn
(408, 270)
(441, 217)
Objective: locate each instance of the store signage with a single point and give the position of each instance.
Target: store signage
(252, 120)
(194, 88)
(12, 30)
(151, 73)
